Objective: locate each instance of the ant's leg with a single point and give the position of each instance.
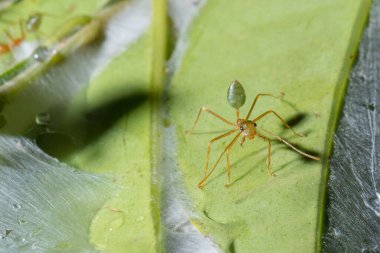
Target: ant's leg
(278, 116)
(268, 161)
(201, 183)
(291, 146)
(242, 141)
(211, 112)
(209, 147)
(255, 100)
(9, 36)
(228, 167)
(268, 158)
(23, 36)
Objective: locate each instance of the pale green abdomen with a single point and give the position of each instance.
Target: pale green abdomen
(236, 95)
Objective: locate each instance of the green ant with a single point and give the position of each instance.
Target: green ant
(32, 24)
(245, 127)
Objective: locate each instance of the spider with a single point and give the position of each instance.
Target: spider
(246, 128)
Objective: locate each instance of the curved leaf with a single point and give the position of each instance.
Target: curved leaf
(120, 146)
(303, 49)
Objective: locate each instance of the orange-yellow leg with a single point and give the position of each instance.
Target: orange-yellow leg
(278, 116)
(255, 100)
(228, 167)
(203, 181)
(9, 36)
(22, 31)
(291, 146)
(268, 157)
(209, 147)
(212, 113)
(242, 141)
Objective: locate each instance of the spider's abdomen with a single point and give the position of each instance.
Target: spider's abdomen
(236, 95)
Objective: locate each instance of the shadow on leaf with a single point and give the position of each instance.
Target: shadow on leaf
(86, 129)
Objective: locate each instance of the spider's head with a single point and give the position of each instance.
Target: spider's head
(246, 127)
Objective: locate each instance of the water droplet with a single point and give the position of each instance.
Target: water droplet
(140, 218)
(20, 220)
(41, 54)
(43, 119)
(8, 231)
(117, 221)
(16, 206)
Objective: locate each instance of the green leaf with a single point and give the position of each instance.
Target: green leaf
(104, 129)
(303, 49)
(122, 151)
(63, 40)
